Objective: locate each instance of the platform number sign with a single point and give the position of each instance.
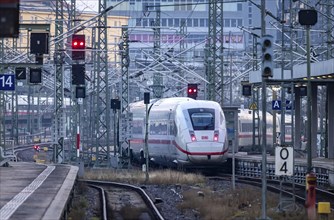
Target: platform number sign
(7, 82)
(284, 161)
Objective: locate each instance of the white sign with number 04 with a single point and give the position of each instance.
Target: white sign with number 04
(284, 161)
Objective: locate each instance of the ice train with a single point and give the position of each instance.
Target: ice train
(245, 131)
(182, 132)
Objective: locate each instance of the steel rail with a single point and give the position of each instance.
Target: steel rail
(103, 200)
(148, 201)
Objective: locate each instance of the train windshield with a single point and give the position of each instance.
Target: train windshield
(202, 118)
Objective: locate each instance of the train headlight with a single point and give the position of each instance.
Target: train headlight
(192, 136)
(216, 136)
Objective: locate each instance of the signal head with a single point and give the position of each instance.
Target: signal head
(192, 91)
(267, 43)
(78, 41)
(36, 147)
(267, 56)
(267, 72)
(78, 47)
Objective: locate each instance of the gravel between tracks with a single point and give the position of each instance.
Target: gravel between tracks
(170, 195)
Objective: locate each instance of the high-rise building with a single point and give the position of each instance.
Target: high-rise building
(192, 15)
(184, 26)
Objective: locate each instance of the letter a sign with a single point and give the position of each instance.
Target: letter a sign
(276, 105)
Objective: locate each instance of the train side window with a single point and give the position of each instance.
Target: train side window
(246, 127)
(158, 127)
(153, 128)
(163, 128)
(172, 128)
(137, 127)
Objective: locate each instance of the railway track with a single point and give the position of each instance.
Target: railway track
(119, 200)
(286, 188)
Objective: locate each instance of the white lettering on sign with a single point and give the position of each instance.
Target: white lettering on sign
(7, 82)
(284, 161)
(276, 105)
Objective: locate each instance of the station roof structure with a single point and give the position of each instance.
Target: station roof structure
(323, 70)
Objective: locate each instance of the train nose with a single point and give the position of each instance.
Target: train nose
(205, 148)
(205, 152)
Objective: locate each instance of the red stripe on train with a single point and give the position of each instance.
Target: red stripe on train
(155, 141)
(287, 138)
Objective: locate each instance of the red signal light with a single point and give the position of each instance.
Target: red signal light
(78, 41)
(78, 47)
(192, 90)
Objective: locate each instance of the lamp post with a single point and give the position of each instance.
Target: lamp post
(264, 128)
(309, 101)
(146, 102)
(115, 104)
(308, 17)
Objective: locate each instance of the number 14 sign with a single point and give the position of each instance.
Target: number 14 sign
(284, 161)
(7, 82)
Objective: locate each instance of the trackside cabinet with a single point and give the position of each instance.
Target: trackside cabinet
(231, 117)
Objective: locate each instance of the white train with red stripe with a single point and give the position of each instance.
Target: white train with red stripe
(182, 132)
(245, 130)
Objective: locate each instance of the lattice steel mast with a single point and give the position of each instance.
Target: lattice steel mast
(214, 56)
(14, 105)
(74, 104)
(103, 92)
(157, 77)
(330, 29)
(59, 122)
(124, 127)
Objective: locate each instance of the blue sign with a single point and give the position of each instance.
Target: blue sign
(7, 82)
(288, 105)
(276, 104)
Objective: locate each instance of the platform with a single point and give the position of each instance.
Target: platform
(35, 191)
(319, 162)
(322, 167)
